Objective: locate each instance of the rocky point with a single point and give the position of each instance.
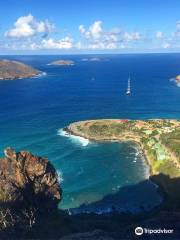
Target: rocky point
(28, 180)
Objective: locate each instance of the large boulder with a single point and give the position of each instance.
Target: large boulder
(28, 180)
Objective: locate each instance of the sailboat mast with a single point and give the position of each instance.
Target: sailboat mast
(129, 86)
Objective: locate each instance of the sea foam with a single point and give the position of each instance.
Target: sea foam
(60, 176)
(76, 139)
(176, 82)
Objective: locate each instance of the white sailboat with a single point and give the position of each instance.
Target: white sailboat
(128, 92)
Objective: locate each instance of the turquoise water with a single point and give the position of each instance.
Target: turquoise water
(33, 112)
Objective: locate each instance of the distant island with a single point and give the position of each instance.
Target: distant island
(158, 139)
(62, 63)
(94, 59)
(10, 70)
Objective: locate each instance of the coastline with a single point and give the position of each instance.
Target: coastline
(144, 156)
(136, 142)
(84, 129)
(38, 75)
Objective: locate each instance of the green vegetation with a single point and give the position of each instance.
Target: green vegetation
(160, 139)
(172, 142)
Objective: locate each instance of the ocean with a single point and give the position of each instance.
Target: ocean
(94, 176)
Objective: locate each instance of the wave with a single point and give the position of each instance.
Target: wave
(60, 176)
(41, 74)
(175, 81)
(80, 140)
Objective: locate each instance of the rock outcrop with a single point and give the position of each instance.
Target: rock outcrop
(28, 180)
(10, 70)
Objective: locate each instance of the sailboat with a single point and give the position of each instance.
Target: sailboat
(128, 92)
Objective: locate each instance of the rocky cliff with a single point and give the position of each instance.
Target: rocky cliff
(13, 70)
(28, 180)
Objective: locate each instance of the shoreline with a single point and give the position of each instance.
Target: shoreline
(38, 75)
(106, 130)
(138, 144)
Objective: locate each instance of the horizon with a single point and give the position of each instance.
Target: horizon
(81, 54)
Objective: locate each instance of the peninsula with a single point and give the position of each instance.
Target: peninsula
(62, 63)
(159, 139)
(10, 70)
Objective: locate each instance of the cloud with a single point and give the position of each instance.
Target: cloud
(94, 31)
(64, 43)
(97, 38)
(101, 45)
(166, 45)
(134, 36)
(28, 33)
(28, 26)
(176, 34)
(159, 34)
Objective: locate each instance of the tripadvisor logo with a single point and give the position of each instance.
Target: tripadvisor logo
(139, 231)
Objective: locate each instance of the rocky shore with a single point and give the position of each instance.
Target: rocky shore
(30, 193)
(30, 180)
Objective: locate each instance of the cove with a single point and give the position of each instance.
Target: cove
(100, 177)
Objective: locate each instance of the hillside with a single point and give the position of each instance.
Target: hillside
(10, 70)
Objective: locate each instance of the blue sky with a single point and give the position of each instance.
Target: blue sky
(82, 26)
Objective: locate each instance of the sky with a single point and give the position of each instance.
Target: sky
(89, 26)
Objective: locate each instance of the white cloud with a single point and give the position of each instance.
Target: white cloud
(176, 34)
(134, 36)
(93, 32)
(64, 43)
(28, 26)
(159, 34)
(97, 38)
(101, 45)
(48, 44)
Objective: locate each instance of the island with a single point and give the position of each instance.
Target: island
(10, 70)
(62, 63)
(158, 139)
(93, 59)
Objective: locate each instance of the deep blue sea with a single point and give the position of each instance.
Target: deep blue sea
(100, 175)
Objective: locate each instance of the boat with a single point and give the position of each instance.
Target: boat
(128, 92)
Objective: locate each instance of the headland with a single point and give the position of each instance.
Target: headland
(159, 139)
